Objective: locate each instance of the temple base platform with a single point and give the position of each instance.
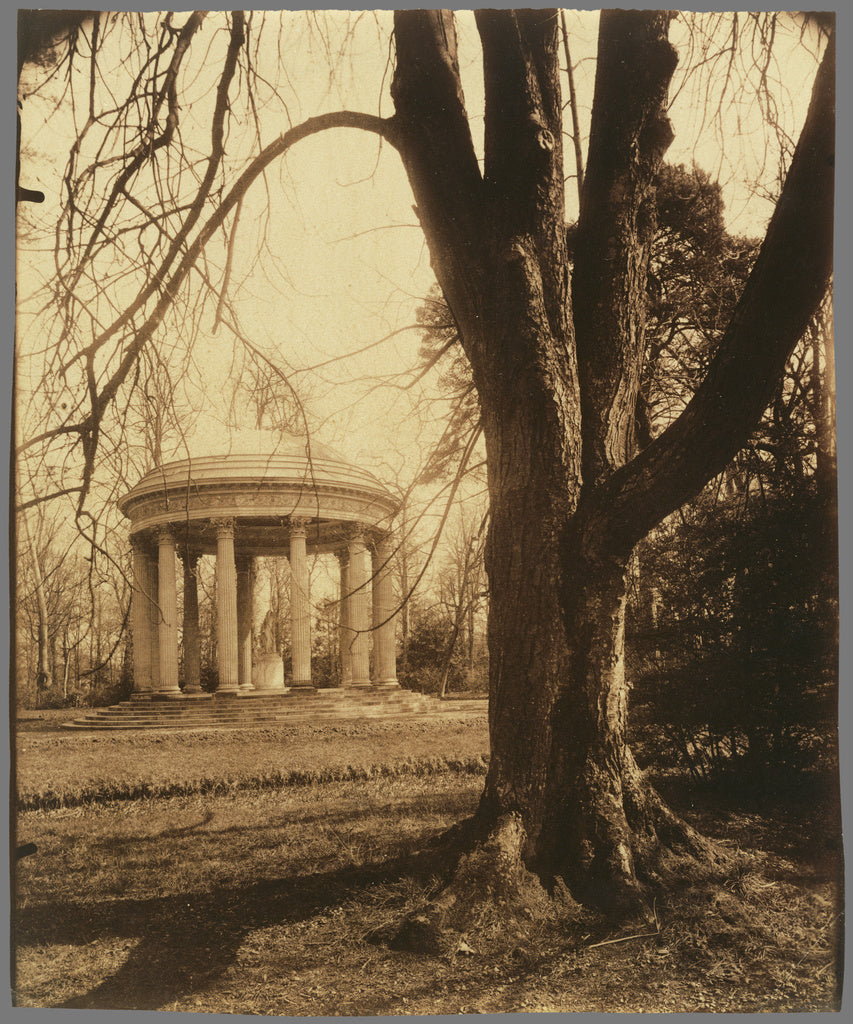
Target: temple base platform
(254, 708)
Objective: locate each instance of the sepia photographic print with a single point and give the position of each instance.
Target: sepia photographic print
(424, 513)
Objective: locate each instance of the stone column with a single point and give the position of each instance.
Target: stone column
(358, 579)
(140, 622)
(384, 616)
(245, 618)
(226, 606)
(192, 646)
(168, 600)
(300, 608)
(152, 589)
(345, 634)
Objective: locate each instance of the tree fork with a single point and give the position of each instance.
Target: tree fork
(785, 289)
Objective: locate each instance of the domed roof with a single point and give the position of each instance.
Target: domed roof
(298, 462)
(292, 477)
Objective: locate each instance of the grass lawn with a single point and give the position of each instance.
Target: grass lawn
(58, 768)
(266, 900)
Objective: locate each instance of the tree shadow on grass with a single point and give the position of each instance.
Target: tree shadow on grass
(455, 805)
(184, 830)
(184, 942)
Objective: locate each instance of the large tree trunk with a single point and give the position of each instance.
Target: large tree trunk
(558, 696)
(558, 393)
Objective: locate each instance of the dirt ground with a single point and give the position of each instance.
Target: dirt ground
(270, 903)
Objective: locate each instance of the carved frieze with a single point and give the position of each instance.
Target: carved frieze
(195, 506)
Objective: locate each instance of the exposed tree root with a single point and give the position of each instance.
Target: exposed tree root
(490, 886)
(633, 847)
(661, 838)
(634, 853)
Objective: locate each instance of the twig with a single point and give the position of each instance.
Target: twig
(623, 938)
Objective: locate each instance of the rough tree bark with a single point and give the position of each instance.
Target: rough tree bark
(557, 369)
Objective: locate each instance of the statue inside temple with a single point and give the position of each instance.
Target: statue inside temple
(267, 639)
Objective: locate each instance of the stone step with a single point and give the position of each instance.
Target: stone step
(285, 700)
(260, 713)
(336, 696)
(238, 711)
(94, 724)
(188, 711)
(239, 715)
(131, 722)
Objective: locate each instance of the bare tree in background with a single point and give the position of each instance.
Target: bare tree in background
(44, 669)
(462, 588)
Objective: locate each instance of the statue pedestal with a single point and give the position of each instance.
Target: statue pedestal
(268, 672)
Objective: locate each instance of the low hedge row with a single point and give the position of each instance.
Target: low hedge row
(105, 790)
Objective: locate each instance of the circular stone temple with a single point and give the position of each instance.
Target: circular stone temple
(302, 500)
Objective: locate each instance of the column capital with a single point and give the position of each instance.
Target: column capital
(223, 527)
(138, 544)
(164, 534)
(356, 538)
(383, 543)
(299, 526)
(342, 555)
